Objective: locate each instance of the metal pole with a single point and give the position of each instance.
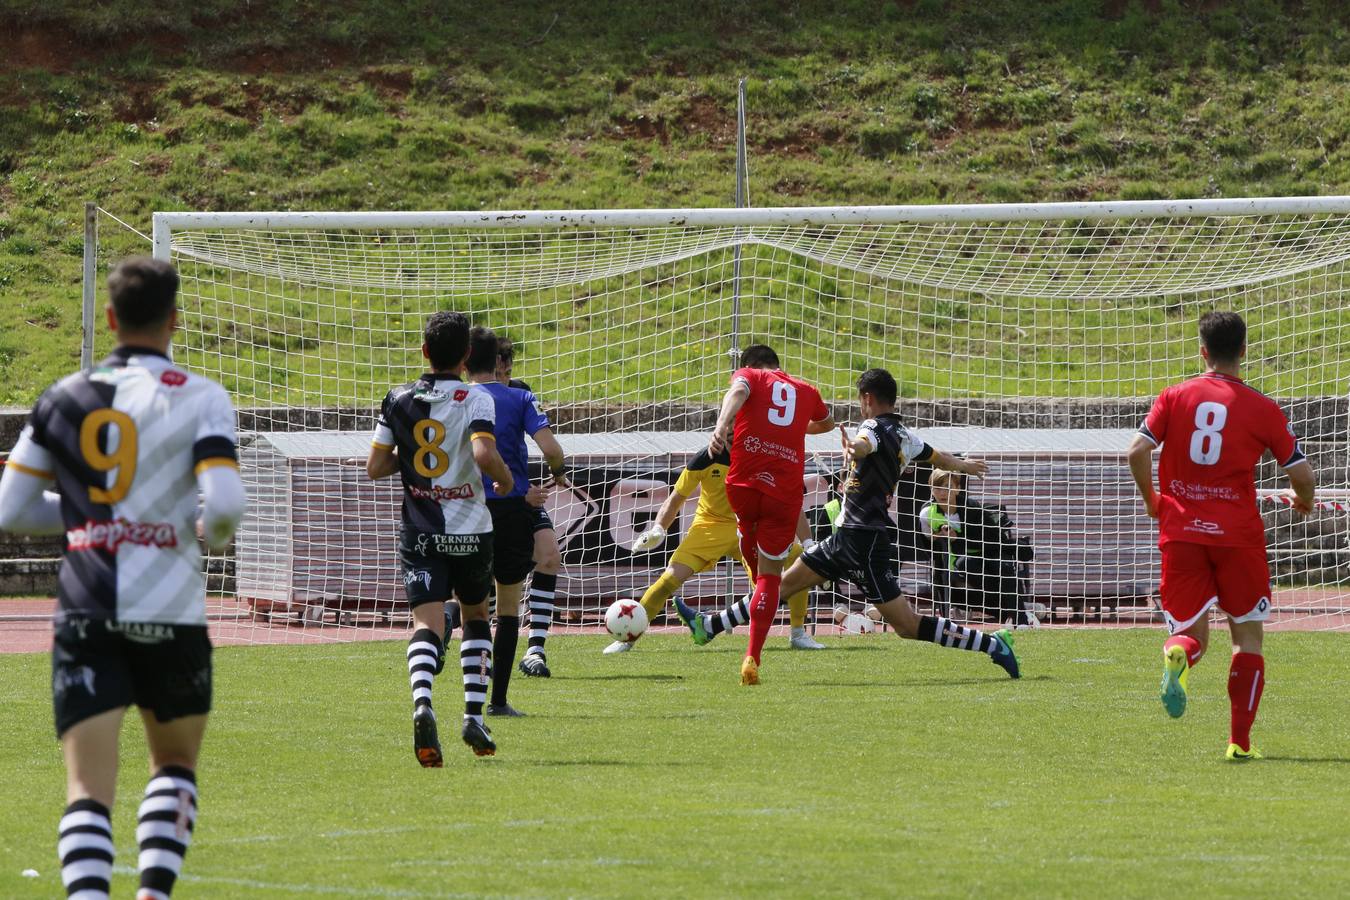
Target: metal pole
(742, 200)
(90, 285)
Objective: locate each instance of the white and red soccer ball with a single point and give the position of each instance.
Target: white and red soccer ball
(626, 620)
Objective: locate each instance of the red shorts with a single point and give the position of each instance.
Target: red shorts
(766, 523)
(1198, 576)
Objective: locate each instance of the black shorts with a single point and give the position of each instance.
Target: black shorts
(541, 520)
(98, 666)
(862, 556)
(513, 526)
(436, 565)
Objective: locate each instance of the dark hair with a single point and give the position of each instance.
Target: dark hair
(483, 344)
(1223, 334)
(759, 356)
(446, 337)
(505, 349)
(879, 383)
(143, 291)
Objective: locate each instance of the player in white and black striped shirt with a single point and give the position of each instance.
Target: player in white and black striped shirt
(436, 433)
(127, 447)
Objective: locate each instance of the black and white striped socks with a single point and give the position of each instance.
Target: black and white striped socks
(86, 850)
(947, 633)
(737, 613)
(424, 662)
(543, 590)
(475, 658)
(164, 829)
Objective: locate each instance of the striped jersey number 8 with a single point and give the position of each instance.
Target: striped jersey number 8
(123, 459)
(1206, 441)
(430, 461)
(783, 403)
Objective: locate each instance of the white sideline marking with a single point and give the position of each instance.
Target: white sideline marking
(300, 888)
(336, 833)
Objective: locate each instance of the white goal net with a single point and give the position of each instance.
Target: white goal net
(1032, 336)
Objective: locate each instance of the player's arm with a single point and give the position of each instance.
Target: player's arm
(382, 462)
(1151, 434)
(1140, 456)
(732, 401)
(383, 458)
(26, 506)
(1304, 482)
(491, 464)
(951, 463)
(665, 517)
(553, 455)
(821, 426)
(215, 462)
(1283, 443)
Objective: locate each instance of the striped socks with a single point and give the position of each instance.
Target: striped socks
(86, 850)
(425, 658)
(947, 633)
(737, 613)
(543, 590)
(475, 659)
(164, 829)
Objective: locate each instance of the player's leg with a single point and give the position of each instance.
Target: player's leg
(1243, 575)
(797, 602)
(91, 689)
(473, 582)
(543, 597)
(426, 585)
(85, 843)
(172, 685)
(1246, 683)
(775, 533)
(871, 556)
(704, 545)
(504, 647)
(168, 812)
(1186, 592)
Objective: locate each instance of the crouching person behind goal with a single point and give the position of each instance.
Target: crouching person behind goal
(127, 447)
(436, 433)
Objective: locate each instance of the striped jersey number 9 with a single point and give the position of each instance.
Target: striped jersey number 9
(430, 461)
(1206, 441)
(783, 403)
(123, 459)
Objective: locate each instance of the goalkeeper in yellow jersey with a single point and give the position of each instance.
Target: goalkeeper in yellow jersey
(711, 537)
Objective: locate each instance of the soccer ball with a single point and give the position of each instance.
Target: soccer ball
(626, 619)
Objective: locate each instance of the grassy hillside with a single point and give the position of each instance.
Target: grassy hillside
(363, 105)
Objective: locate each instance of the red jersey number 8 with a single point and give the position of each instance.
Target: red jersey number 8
(1206, 440)
(783, 404)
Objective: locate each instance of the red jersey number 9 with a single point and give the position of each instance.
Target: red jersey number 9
(783, 404)
(1206, 440)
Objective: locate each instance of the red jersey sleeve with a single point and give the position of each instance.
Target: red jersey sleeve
(821, 411)
(749, 376)
(1155, 423)
(1280, 438)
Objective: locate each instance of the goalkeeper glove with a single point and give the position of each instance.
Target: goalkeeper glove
(649, 539)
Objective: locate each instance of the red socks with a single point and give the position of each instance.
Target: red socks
(1246, 681)
(1187, 643)
(763, 607)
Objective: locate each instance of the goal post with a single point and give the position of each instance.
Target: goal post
(1034, 335)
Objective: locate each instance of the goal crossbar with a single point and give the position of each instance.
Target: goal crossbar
(167, 222)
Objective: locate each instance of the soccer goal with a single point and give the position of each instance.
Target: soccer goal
(1034, 336)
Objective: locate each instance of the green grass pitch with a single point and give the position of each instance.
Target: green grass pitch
(880, 768)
